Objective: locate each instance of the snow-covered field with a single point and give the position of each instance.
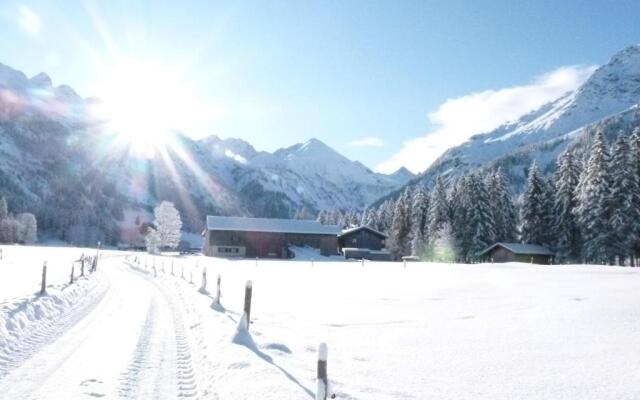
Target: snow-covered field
(428, 331)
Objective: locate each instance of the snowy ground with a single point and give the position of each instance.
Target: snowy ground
(430, 331)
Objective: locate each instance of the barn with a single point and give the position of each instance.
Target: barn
(518, 252)
(363, 242)
(266, 237)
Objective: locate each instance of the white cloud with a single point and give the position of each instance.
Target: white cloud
(29, 21)
(456, 120)
(367, 142)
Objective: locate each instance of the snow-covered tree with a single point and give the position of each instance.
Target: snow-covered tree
(634, 143)
(419, 218)
(153, 241)
(369, 218)
(399, 243)
(535, 213)
(504, 212)
(4, 209)
(625, 199)
(481, 222)
(168, 224)
(439, 209)
(27, 228)
(566, 231)
(594, 204)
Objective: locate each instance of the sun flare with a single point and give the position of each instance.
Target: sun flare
(145, 103)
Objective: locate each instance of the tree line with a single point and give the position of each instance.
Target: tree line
(587, 211)
(20, 228)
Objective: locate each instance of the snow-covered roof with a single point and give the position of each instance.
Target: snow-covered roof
(217, 223)
(519, 248)
(351, 230)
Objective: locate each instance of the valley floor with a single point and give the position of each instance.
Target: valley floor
(427, 331)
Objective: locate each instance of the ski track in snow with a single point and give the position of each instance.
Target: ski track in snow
(157, 362)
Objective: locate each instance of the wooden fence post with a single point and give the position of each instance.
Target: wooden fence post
(73, 267)
(191, 277)
(248, 291)
(203, 287)
(218, 291)
(82, 265)
(362, 261)
(182, 273)
(323, 379)
(43, 287)
(171, 267)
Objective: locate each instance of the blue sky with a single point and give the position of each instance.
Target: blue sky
(371, 79)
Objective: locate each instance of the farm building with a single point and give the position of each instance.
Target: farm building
(266, 237)
(363, 242)
(530, 253)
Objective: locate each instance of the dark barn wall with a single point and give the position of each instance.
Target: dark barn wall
(501, 254)
(364, 239)
(270, 244)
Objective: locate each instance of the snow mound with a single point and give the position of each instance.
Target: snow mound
(28, 323)
(307, 253)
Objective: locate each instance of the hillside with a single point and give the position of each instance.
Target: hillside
(607, 100)
(62, 163)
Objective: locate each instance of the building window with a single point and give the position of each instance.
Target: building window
(229, 250)
(354, 241)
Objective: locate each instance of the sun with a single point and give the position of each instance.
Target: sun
(144, 103)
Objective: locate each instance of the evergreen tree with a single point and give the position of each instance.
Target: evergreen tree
(461, 201)
(504, 212)
(635, 160)
(594, 204)
(4, 209)
(535, 213)
(481, 221)
(625, 199)
(439, 210)
(399, 234)
(566, 231)
(419, 213)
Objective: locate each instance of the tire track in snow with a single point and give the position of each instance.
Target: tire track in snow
(131, 379)
(186, 376)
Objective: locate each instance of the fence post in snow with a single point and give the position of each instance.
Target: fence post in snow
(182, 273)
(404, 262)
(218, 291)
(191, 277)
(312, 261)
(43, 288)
(362, 261)
(248, 291)
(204, 280)
(82, 265)
(73, 268)
(256, 261)
(171, 267)
(323, 379)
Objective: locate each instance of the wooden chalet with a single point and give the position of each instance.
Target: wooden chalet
(363, 242)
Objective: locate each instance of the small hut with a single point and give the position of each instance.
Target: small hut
(517, 252)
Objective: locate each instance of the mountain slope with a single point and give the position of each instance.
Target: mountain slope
(606, 99)
(84, 184)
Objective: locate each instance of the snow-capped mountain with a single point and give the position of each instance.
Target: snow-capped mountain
(309, 174)
(58, 161)
(608, 97)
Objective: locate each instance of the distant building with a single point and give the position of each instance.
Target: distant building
(363, 242)
(266, 237)
(518, 252)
